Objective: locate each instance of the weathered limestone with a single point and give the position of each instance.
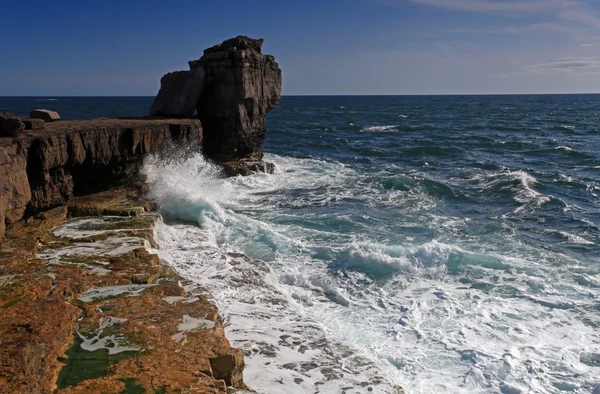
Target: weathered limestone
(41, 170)
(10, 126)
(86, 308)
(241, 85)
(231, 88)
(45, 114)
(179, 94)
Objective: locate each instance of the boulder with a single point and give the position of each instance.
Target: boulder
(10, 126)
(44, 114)
(247, 167)
(179, 94)
(241, 85)
(34, 124)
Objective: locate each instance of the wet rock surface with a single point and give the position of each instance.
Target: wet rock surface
(247, 167)
(85, 306)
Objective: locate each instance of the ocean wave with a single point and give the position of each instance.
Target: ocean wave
(362, 274)
(380, 261)
(519, 185)
(379, 129)
(566, 148)
(429, 187)
(575, 239)
(564, 151)
(284, 346)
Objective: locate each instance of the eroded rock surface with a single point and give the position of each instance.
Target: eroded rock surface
(241, 85)
(45, 169)
(85, 307)
(179, 94)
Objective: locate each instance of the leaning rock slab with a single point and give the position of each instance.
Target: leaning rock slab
(44, 114)
(179, 94)
(241, 85)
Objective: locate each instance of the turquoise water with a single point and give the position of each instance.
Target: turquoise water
(450, 240)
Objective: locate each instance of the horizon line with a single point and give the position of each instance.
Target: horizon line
(329, 95)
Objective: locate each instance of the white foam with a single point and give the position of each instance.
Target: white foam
(112, 246)
(575, 239)
(99, 293)
(525, 194)
(287, 351)
(79, 228)
(378, 129)
(566, 148)
(188, 324)
(115, 344)
(343, 307)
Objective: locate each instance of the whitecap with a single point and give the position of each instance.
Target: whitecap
(562, 147)
(378, 129)
(575, 239)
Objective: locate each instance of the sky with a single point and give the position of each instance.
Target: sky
(122, 48)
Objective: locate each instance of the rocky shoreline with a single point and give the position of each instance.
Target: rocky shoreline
(84, 304)
(87, 307)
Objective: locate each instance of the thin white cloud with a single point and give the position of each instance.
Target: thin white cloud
(566, 66)
(567, 10)
(520, 6)
(580, 16)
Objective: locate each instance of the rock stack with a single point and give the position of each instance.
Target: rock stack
(231, 88)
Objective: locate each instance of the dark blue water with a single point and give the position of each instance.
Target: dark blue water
(75, 108)
(488, 158)
(452, 239)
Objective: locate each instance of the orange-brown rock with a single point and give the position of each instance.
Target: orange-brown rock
(86, 308)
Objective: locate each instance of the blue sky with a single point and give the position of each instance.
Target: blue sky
(324, 47)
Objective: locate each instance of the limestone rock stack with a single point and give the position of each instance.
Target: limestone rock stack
(237, 85)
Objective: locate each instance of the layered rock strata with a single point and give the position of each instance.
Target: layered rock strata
(42, 170)
(241, 85)
(232, 87)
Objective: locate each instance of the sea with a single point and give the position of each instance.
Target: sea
(442, 244)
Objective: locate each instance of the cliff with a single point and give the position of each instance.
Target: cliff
(45, 169)
(84, 304)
